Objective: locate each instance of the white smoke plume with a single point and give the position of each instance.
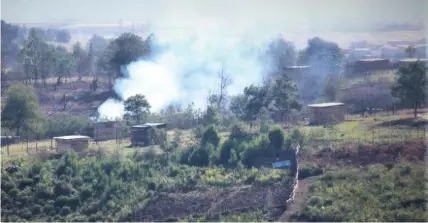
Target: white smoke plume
(185, 66)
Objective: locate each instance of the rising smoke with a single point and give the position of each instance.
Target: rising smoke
(184, 68)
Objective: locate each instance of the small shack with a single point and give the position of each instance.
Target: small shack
(8, 140)
(326, 113)
(297, 72)
(140, 135)
(367, 65)
(106, 130)
(76, 143)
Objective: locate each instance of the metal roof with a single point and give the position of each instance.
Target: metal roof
(323, 105)
(297, 67)
(414, 60)
(72, 137)
(373, 59)
(146, 125)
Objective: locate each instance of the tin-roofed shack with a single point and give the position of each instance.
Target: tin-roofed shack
(7, 140)
(326, 113)
(374, 64)
(141, 135)
(297, 72)
(106, 130)
(76, 143)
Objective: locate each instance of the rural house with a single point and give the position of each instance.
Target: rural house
(76, 143)
(140, 134)
(326, 113)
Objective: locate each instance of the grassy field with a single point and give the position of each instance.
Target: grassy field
(387, 77)
(376, 129)
(19, 150)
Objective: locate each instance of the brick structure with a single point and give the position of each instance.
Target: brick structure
(76, 143)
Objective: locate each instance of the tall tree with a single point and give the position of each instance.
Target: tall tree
(80, 57)
(124, 49)
(63, 36)
(64, 64)
(21, 110)
(323, 56)
(47, 61)
(410, 51)
(32, 55)
(136, 109)
(281, 53)
(224, 83)
(411, 84)
(284, 95)
(331, 87)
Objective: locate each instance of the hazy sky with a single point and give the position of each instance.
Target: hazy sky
(318, 13)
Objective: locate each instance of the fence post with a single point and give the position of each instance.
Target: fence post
(27, 142)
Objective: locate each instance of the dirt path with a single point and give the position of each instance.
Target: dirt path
(299, 198)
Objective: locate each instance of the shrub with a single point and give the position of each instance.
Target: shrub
(226, 150)
(309, 170)
(199, 157)
(276, 137)
(210, 136)
(238, 133)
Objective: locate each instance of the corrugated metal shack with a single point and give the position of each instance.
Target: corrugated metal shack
(326, 113)
(77, 143)
(7, 140)
(375, 64)
(297, 72)
(140, 135)
(105, 130)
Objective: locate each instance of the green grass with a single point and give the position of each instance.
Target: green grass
(375, 194)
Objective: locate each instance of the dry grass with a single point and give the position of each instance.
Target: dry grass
(379, 77)
(376, 129)
(20, 150)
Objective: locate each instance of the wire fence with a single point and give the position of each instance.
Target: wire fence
(29, 147)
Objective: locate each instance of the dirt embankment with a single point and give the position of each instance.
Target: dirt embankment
(362, 155)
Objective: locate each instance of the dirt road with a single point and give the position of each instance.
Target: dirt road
(299, 198)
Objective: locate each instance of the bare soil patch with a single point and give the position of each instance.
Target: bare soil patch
(367, 154)
(214, 201)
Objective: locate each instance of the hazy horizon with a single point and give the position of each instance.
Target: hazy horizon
(305, 14)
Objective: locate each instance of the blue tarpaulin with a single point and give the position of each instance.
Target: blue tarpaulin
(280, 164)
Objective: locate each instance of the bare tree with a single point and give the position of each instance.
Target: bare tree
(410, 51)
(225, 82)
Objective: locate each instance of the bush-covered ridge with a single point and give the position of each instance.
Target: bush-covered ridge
(380, 193)
(110, 188)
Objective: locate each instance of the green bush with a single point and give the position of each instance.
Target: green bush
(199, 157)
(309, 170)
(276, 137)
(210, 136)
(226, 151)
